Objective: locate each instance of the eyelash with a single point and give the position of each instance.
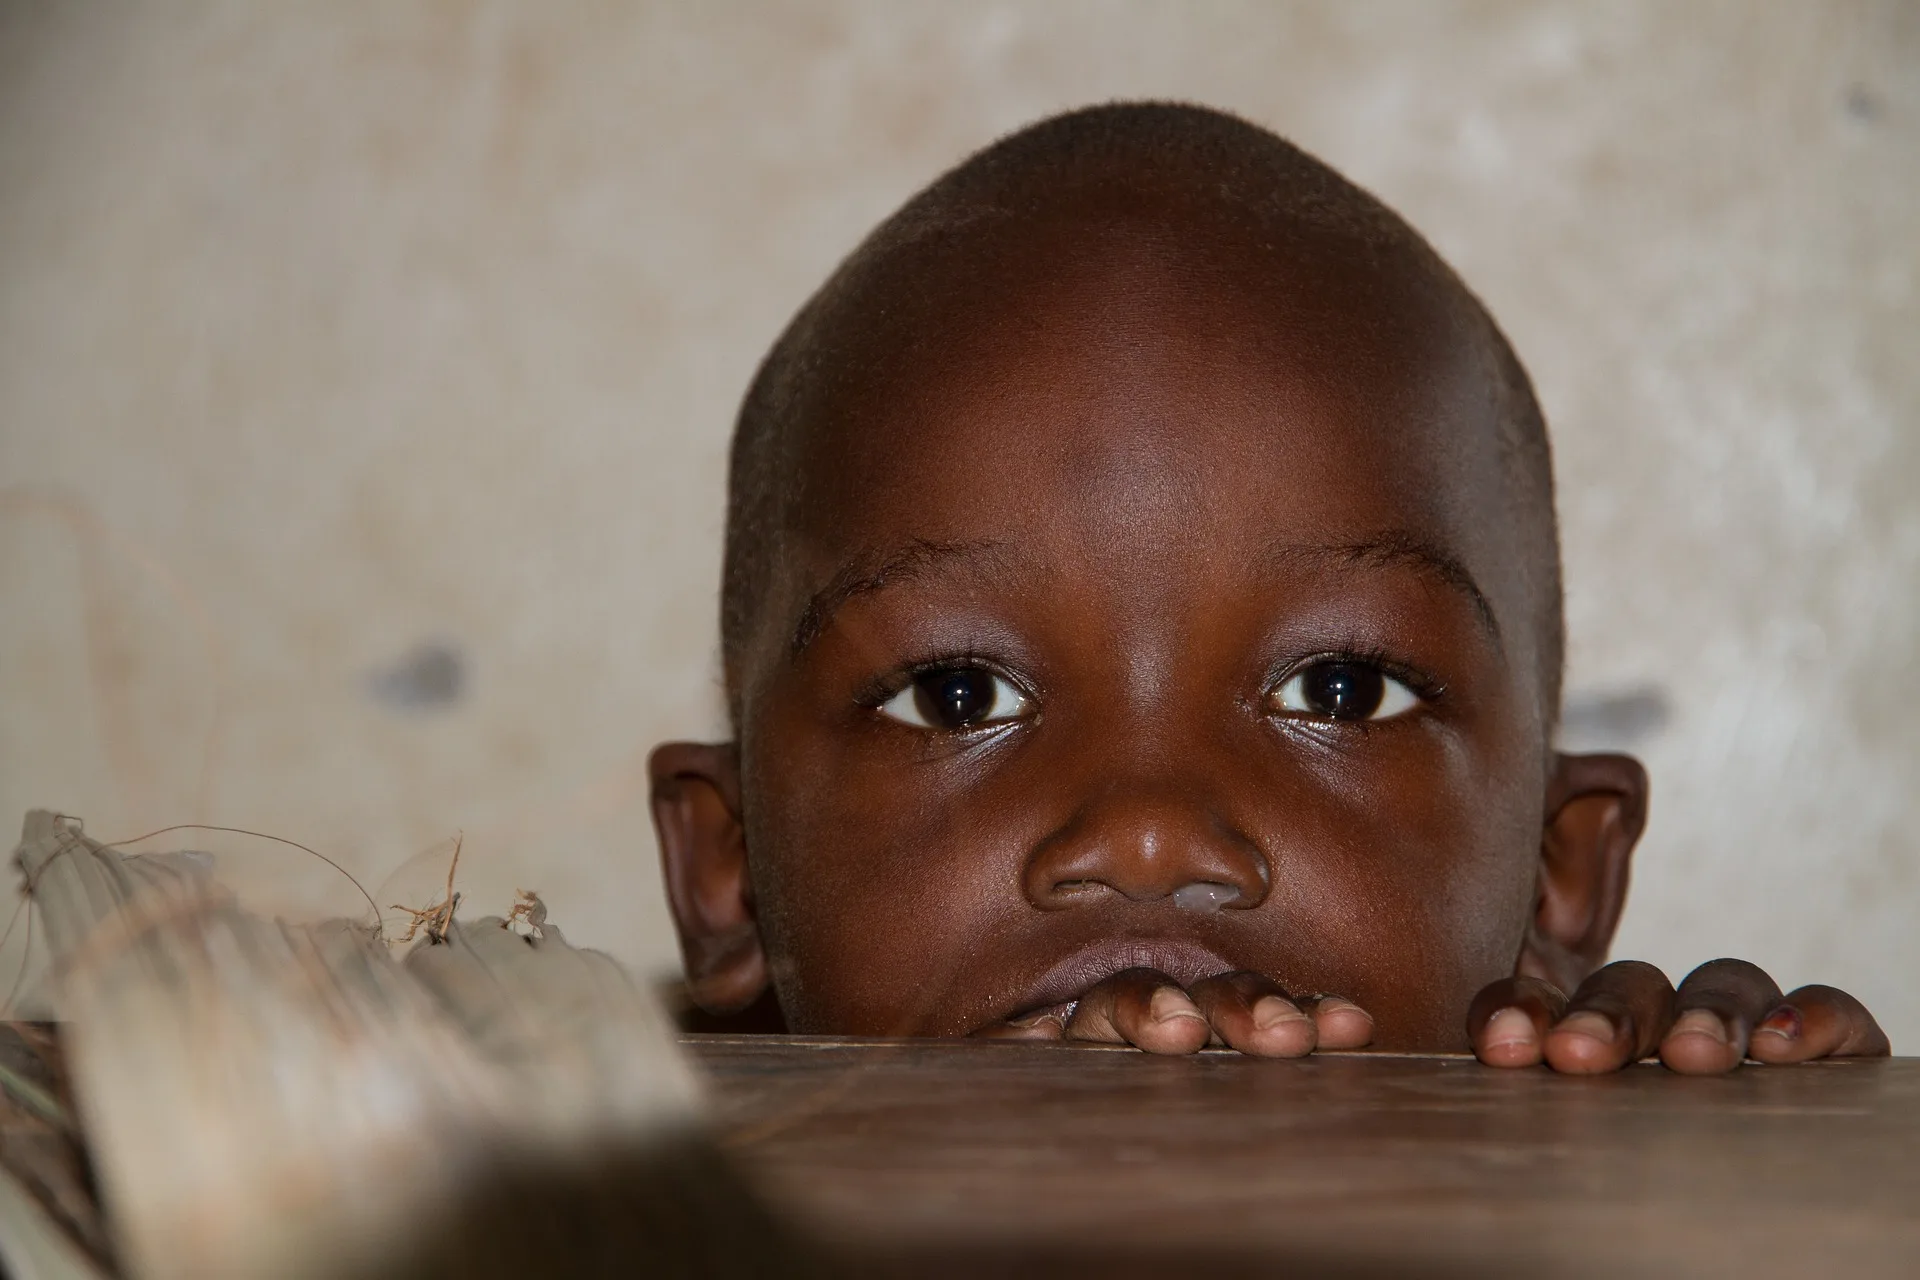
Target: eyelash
(882, 688)
(1430, 688)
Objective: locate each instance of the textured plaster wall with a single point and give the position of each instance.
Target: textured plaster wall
(365, 373)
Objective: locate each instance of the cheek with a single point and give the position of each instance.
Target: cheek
(1409, 888)
(876, 884)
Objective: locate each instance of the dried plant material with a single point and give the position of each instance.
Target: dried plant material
(435, 918)
(529, 915)
(568, 1022)
(297, 1101)
(257, 835)
(231, 1071)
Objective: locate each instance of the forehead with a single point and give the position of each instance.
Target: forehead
(1114, 392)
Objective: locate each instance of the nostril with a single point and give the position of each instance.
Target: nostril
(1205, 895)
(1146, 845)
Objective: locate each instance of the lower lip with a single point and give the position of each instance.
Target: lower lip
(1184, 962)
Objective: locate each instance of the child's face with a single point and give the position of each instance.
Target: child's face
(1198, 574)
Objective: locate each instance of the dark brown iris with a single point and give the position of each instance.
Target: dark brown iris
(1343, 690)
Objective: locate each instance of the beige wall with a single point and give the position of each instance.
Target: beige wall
(331, 331)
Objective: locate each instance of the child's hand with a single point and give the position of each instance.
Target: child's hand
(1725, 1011)
(1147, 1009)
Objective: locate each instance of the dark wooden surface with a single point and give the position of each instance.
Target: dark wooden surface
(1006, 1158)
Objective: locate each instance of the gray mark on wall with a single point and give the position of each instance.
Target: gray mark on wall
(1614, 719)
(425, 677)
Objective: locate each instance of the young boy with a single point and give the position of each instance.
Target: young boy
(1142, 617)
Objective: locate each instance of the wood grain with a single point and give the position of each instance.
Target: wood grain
(1012, 1158)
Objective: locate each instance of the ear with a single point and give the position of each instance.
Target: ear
(703, 853)
(1596, 808)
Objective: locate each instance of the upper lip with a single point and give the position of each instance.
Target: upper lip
(1183, 960)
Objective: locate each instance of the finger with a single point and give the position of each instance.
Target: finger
(1713, 1014)
(1507, 1023)
(1251, 1013)
(1817, 1022)
(1338, 1022)
(1140, 1007)
(1041, 1024)
(1617, 1016)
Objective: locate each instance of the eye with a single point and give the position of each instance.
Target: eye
(957, 698)
(1342, 691)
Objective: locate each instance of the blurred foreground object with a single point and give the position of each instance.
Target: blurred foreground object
(261, 1098)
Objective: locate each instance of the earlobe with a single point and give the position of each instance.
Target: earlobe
(1596, 808)
(703, 856)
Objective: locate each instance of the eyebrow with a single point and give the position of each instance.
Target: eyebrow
(872, 571)
(1399, 548)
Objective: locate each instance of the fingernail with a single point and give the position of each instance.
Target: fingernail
(1169, 1003)
(1339, 1004)
(1783, 1022)
(1702, 1022)
(1272, 1011)
(1509, 1027)
(1595, 1026)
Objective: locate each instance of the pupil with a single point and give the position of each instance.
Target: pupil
(957, 698)
(1344, 690)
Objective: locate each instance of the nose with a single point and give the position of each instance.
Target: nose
(1147, 844)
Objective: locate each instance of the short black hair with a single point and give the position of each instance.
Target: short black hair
(1208, 157)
